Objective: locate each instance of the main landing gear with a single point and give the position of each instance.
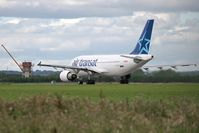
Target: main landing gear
(89, 82)
(125, 79)
(80, 82)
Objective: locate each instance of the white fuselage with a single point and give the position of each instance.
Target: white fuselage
(110, 65)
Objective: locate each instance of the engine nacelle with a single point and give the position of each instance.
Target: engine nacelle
(67, 76)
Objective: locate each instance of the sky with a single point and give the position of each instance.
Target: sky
(56, 31)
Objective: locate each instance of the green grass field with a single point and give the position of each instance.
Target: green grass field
(101, 108)
(110, 91)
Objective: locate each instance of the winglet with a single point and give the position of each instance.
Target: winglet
(143, 44)
(39, 64)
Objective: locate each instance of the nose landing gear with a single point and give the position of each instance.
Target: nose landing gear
(125, 79)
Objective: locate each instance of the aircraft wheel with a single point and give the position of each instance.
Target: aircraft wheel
(124, 81)
(90, 82)
(80, 82)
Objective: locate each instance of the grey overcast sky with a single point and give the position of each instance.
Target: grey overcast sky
(56, 31)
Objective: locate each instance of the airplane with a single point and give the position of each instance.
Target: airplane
(122, 65)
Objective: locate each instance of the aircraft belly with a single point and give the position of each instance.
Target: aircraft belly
(116, 69)
(119, 69)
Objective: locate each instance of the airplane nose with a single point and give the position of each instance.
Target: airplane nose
(152, 56)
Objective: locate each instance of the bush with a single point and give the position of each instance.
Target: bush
(58, 114)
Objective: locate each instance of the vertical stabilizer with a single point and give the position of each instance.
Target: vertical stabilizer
(143, 44)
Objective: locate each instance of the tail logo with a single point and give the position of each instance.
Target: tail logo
(144, 44)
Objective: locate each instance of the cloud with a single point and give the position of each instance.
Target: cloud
(60, 30)
(90, 8)
(63, 23)
(8, 64)
(67, 45)
(13, 21)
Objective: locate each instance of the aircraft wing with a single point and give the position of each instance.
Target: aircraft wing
(171, 66)
(93, 70)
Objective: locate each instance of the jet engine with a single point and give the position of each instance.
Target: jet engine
(67, 76)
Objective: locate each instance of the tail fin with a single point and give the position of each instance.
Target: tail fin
(143, 44)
